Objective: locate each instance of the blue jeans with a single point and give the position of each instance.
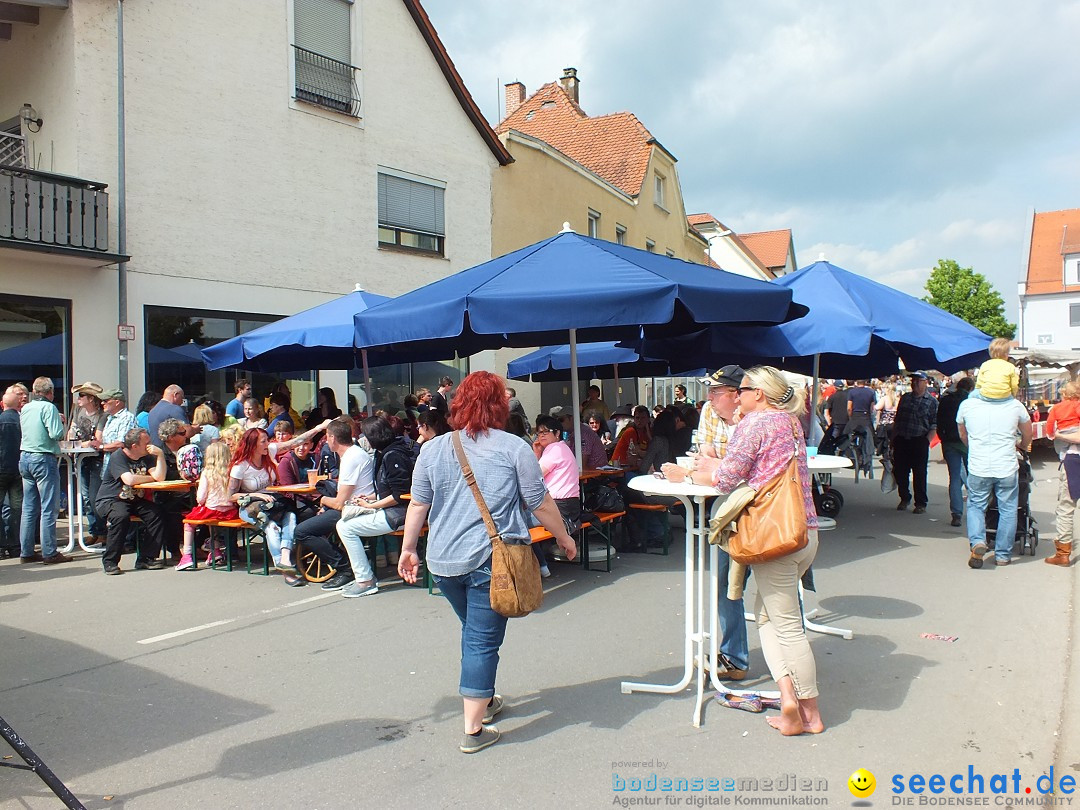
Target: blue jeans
(482, 629)
(41, 487)
(89, 482)
(1007, 490)
(733, 641)
(277, 537)
(956, 460)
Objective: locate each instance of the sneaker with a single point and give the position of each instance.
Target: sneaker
(113, 570)
(215, 558)
(355, 589)
(545, 572)
(1000, 561)
(955, 520)
(470, 743)
(919, 510)
(149, 565)
(902, 506)
(55, 558)
(338, 581)
(187, 562)
(494, 707)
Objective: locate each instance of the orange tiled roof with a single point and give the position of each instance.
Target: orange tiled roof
(770, 247)
(1053, 234)
(700, 219)
(615, 147)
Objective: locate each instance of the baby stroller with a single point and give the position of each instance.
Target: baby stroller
(1027, 528)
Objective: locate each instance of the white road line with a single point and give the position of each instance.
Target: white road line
(196, 629)
(167, 636)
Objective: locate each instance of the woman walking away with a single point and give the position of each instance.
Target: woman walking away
(459, 549)
(759, 451)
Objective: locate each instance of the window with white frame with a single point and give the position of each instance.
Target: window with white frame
(412, 213)
(658, 191)
(620, 234)
(1072, 269)
(322, 46)
(1074, 314)
(594, 224)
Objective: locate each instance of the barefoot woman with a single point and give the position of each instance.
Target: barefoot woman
(759, 450)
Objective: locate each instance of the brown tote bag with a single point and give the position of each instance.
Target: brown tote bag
(516, 588)
(774, 525)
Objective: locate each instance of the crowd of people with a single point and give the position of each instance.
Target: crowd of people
(396, 471)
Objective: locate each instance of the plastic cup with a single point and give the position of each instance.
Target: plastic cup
(686, 462)
(312, 477)
(811, 451)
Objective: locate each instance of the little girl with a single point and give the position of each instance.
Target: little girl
(1064, 417)
(212, 497)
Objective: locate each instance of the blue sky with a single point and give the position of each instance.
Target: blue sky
(885, 135)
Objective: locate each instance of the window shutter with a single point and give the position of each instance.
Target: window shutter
(322, 26)
(411, 205)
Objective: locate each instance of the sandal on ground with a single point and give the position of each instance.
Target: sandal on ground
(748, 703)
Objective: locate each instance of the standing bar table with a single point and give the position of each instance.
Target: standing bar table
(695, 634)
(72, 455)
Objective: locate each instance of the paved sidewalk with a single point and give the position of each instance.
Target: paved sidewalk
(165, 689)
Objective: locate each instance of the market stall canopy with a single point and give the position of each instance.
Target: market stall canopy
(600, 361)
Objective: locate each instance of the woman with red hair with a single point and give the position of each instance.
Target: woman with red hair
(250, 473)
(458, 548)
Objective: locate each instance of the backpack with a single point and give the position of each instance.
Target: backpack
(189, 462)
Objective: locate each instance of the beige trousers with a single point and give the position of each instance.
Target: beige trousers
(779, 619)
(1065, 513)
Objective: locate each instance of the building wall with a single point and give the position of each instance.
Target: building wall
(239, 197)
(1045, 321)
(724, 253)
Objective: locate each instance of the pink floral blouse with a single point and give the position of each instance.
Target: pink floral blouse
(759, 450)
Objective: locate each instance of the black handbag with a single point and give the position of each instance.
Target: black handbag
(604, 499)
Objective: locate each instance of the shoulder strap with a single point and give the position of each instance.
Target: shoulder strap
(470, 479)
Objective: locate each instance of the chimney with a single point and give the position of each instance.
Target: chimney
(515, 95)
(569, 82)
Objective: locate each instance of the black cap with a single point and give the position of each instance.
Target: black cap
(731, 376)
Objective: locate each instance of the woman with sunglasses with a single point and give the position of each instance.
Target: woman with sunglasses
(760, 449)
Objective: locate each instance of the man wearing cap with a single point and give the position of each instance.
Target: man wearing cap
(593, 454)
(118, 421)
(913, 430)
(42, 428)
(717, 422)
(86, 425)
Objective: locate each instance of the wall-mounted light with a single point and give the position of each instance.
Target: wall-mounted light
(30, 117)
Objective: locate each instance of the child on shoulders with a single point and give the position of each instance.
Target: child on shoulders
(998, 378)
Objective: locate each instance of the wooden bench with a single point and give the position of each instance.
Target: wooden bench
(235, 525)
(657, 508)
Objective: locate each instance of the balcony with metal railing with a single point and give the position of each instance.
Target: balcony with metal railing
(53, 213)
(326, 82)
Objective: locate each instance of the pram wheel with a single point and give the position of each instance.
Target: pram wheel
(1034, 541)
(830, 503)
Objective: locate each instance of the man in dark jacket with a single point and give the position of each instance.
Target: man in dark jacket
(952, 448)
(10, 480)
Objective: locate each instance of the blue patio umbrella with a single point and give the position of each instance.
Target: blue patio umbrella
(591, 289)
(320, 338)
(856, 328)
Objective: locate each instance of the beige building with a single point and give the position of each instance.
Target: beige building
(606, 175)
(277, 153)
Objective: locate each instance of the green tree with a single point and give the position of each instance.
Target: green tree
(968, 295)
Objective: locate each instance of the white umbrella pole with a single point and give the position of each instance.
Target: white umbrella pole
(575, 395)
(367, 380)
(618, 396)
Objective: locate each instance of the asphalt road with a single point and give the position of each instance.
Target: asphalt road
(160, 689)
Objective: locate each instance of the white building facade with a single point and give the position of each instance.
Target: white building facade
(277, 154)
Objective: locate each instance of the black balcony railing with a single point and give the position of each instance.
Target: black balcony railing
(326, 82)
(52, 209)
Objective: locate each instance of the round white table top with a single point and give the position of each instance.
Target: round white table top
(652, 485)
(825, 464)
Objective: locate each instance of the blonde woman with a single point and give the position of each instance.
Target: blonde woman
(760, 449)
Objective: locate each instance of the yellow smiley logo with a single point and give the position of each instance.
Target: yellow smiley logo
(861, 783)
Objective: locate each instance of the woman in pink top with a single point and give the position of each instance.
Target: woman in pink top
(559, 466)
(760, 449)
